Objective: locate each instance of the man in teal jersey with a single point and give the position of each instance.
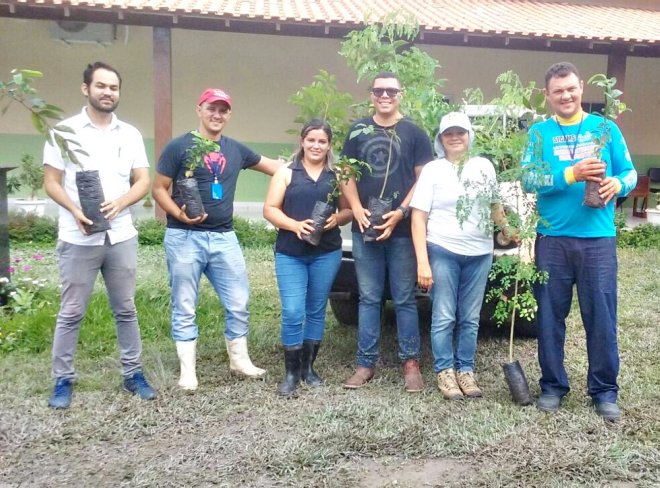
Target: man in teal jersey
(576, 244)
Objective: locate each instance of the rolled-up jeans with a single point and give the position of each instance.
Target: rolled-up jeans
(374, 261)
(217, 255)
(79, 267)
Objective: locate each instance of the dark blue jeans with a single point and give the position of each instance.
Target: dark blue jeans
(591, 265)
(394, 257)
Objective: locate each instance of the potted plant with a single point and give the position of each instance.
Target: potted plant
(512, 279)
(345, 169)
(31, 175)
(19, 89)
(380, 205)
(187, 186)
(613, 108)
(503, 138)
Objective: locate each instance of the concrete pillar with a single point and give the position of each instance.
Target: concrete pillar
(4, 226)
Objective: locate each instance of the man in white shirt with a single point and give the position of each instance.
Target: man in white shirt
(116, 150)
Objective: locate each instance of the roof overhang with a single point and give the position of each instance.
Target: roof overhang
(319, 29)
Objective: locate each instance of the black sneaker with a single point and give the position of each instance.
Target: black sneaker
(137, 385)
(548, 403)
(608, 410)
(62, 393)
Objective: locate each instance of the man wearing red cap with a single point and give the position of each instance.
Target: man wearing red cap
(207, 244)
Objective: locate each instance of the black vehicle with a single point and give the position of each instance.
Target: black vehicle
(344, 293)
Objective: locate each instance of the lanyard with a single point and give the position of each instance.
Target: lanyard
(571, 151)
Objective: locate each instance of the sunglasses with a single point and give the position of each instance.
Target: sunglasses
(391, 92)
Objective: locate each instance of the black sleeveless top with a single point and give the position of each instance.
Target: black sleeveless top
(299, 199)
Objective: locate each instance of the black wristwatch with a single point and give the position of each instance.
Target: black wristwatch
(404, 210)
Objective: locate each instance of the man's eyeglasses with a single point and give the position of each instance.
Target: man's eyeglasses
(391, 92)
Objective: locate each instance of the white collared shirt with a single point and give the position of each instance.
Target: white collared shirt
(114, 152)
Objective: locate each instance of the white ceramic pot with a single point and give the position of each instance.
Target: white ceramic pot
(653, 216)
(25, 205)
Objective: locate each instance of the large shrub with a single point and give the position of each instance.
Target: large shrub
(32, 228)
(645, 236)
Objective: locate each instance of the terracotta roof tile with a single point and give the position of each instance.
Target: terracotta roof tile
(548, 19)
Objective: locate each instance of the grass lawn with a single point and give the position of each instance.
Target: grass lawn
(235, 432)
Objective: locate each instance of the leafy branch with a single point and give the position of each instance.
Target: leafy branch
(613, 108)
(19, 90)
(197, 152)
(345, 169)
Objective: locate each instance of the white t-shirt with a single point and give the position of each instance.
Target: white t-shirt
(114, 152)
(438, 191)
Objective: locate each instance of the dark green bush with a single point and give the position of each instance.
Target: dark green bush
(43, 230)
(254, 234)
(150, 232)
(643, 236)
(32, 228)
(250, 233)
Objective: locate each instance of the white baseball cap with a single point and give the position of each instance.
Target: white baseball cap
(453, 119)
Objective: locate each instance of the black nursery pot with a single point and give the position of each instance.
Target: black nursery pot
(378, 207)
(191, 198)
(591, 197)
(515, 378)
(320, 214)
(90, 194)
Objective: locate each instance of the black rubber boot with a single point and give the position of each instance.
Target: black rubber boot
(309, 351)
(292, 372)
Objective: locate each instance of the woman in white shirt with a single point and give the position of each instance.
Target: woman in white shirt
(452, 232)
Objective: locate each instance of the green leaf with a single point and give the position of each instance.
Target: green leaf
(64, 128)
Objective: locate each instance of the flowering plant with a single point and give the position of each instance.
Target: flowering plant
(23, 291)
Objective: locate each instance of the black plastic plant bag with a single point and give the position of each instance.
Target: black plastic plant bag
(377, 207)
(90, 194)
(518, 386)
(591, 197)
(191, 198)
(320, 214)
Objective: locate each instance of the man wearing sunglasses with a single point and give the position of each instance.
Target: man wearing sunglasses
(395, 150)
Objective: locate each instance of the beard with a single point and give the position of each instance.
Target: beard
(103, 108)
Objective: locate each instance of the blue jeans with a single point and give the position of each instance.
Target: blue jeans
(395, 258)
(459, 284)
(218, 256)
(304, 283)
(591, 265)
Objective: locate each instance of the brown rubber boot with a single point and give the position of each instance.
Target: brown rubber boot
(412, 378)
(361, 377)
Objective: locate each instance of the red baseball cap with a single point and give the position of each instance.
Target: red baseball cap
(211, 95)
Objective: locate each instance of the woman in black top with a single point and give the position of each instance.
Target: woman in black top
(305, 272)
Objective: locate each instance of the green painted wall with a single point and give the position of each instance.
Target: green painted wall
(252, 185)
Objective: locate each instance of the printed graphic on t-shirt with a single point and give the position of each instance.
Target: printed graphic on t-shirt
(564, 144)
(216, 161)
(376, 151)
